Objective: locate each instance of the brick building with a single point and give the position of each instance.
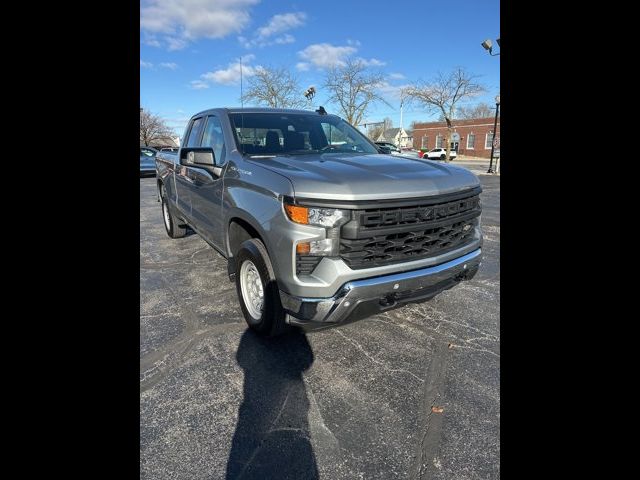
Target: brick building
(476, 136)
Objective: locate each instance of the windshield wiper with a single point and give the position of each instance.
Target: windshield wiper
(300, 152)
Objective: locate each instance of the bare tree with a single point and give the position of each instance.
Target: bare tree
(375, 132)
(482, 110)
(153, 129)
(443, 94)
(275, 88)
(353, 89)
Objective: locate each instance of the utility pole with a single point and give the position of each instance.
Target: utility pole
(493, 141)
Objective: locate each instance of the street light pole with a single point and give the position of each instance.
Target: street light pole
(493, 140)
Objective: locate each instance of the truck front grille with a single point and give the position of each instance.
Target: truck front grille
(383, 236)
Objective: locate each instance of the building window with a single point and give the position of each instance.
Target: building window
(488, 141)
(439, 141)
(425, 143)
(471, 141)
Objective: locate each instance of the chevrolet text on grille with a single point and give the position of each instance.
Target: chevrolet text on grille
(418, 214)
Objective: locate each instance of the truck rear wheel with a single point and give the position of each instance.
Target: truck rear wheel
(170, 224)
(258, 291)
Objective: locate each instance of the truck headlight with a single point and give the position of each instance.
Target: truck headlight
(320, 217)
(329, 218)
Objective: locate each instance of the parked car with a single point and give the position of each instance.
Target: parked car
(392, 148)
(147, 160)
(439, 154)
(317, 226)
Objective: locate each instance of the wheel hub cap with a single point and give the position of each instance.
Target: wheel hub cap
(252, 289)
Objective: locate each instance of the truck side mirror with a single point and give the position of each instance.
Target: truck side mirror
(198, 157)
(384, 149)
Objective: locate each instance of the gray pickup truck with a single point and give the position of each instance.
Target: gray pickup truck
(319, 228)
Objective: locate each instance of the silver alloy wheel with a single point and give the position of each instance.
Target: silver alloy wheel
(165, 214)
(252, 289)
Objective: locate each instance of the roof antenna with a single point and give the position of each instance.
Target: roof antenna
(321, 110)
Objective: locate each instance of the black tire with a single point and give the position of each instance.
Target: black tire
(272, 317)
(443, 156)
(171, 225)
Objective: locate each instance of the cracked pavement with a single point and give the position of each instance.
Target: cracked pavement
(218, 402)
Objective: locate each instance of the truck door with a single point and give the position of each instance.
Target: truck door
(206, 189)
(183, 176)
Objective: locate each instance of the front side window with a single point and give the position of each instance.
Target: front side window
(194, 134)
(297, 134)
(488, 140)
(471, 141)
(214, 138)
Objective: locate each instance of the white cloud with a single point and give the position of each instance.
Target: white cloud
(396, 76)
(277, 24)
(302, 66)
(391, 91)
(169, 65)
(175, 43)
(285, 39)
(231, 74)
(246, 43)
(325, 55)
(281, 23)
(199, 84)
(182, 21)
(144, 64)
(372, 62)
(151, 41)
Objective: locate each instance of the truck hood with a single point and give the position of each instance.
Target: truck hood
(335, 176)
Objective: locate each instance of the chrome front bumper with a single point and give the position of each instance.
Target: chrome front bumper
(362, 298)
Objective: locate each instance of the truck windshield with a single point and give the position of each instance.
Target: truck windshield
(297, 134)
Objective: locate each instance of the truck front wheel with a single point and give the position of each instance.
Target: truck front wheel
(258, 291)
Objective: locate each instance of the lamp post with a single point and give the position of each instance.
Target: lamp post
(493, 140)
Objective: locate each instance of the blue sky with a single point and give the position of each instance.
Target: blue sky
(189, 49)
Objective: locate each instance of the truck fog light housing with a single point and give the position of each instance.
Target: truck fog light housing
(303, 248)
(324, 247)
(321, 247)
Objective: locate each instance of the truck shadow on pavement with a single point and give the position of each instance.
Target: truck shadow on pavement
(272, 438)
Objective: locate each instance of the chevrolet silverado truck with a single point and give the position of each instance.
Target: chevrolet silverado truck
(318, 227)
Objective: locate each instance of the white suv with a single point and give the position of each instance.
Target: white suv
(439, 154)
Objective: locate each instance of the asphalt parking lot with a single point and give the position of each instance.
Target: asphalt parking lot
(354, 402)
